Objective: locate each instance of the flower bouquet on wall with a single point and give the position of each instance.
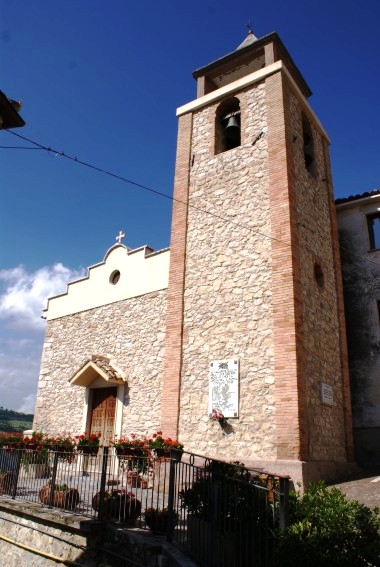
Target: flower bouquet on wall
(88, 444)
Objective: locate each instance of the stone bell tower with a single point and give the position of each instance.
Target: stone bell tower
(255, 271)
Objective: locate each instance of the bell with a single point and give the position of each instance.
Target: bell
(232, 123)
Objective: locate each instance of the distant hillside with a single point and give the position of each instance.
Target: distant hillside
(15, 421)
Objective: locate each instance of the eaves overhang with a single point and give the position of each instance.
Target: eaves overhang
(247, 52)
(95, 367)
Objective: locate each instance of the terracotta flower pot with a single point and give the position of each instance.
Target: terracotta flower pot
(118, 506)
(7, 480)
(67, 499)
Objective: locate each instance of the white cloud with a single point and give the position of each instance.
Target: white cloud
(19, 370)
(23, 295)
(28, 403)
(26, 294)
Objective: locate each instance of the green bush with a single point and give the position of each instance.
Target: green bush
(326, 529)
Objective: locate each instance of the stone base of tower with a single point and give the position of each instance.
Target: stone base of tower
(303, 472)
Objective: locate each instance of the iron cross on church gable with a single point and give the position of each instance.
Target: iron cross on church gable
(120, 236)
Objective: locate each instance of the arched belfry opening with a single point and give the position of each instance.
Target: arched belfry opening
(227, 125)
(308, 146)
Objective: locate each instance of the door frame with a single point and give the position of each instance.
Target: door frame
(87, 408)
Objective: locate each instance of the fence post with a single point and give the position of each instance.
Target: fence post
(17, 472)
(103, 482)
(284, 502)
(172, 474)
(53, 478)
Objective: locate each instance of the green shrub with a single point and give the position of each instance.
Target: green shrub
(326, 530)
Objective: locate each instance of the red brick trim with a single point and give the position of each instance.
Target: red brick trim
(291, 416)
(174, 318)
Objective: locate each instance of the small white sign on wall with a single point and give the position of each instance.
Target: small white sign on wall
(224, 387)
(327, 396)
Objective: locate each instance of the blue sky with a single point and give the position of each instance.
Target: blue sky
(101, 81)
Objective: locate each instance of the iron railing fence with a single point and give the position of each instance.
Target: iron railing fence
(221, 514)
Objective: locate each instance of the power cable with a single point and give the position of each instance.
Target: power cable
(145, 187)
(161, 194)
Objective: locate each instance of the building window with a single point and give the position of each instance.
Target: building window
(114, 277)
(227, 125)
(318, 275)
(308, 146)
(374, 231)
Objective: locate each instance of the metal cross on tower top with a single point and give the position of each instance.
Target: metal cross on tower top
(120, 236)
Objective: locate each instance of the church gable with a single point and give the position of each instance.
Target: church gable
(123, 274)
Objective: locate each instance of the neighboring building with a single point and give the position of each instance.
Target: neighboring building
(359, 234)
(249, 317)
(9, 113)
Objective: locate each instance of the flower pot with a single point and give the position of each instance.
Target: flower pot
(176, 454)
(162, 453)
(157, 524)
(130, 452)
(158, 521)
(124, 451)
(118, 506)
(7, 481)
(67, 499)
(133, 478)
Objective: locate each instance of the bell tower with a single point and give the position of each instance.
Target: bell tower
(255, 271)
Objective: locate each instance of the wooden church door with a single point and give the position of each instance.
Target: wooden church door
(103, 413)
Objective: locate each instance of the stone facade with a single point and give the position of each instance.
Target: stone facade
(322, 338)
(254, 276)
(257, 236)
(228, 286)
(131, 333)
(361, 276)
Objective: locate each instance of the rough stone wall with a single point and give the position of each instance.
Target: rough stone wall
(31, 532)
(131, 333)
(73, 538)
(227, 297)
(320, 336)
(361, 277)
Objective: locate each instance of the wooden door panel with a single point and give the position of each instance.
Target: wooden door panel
(103, 413)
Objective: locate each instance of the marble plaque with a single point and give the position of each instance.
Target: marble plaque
(224, 387)
(327, 396)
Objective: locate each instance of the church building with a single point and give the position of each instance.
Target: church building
(244, 314)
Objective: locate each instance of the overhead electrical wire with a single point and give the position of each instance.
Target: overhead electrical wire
(144, 187)
(39, 146)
